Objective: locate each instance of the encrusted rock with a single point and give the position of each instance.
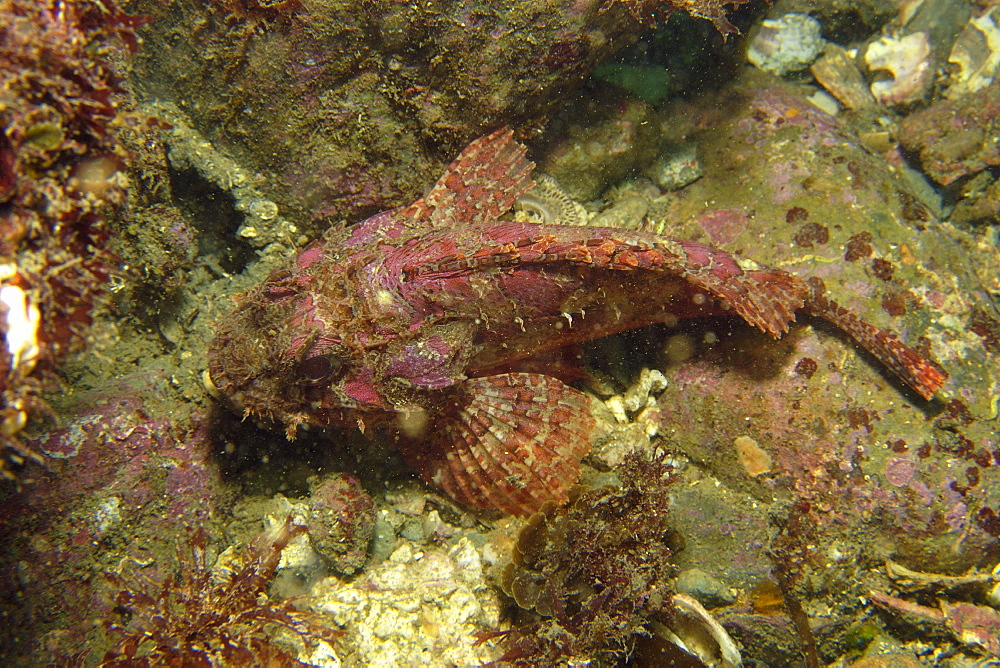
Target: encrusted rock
(190, 150)
(603, 142)
(819, 199)
(956, 138)
(341, 522)
(786, 44)
(347, 113)
(709, 591)
(676, 167)
(980, 201)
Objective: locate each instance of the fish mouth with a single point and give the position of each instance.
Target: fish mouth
(210, 386)
(225, 398)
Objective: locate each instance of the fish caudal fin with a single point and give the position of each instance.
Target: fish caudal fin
(923, 375)
(480, 185)
(510, 441)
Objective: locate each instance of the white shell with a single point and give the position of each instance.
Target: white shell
(975, 55)
(696, 631)
(908, 60)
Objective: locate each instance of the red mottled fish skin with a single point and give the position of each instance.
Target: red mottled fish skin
(419, 317)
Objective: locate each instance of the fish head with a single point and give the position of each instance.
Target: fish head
(285, 355)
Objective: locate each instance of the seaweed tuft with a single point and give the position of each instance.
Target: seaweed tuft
(199, 616)
(63, 111)
(588, 576)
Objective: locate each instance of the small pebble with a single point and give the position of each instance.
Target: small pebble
(754, 458)
(786, 44)
(709, 591)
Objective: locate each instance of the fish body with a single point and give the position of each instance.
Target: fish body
(426, 319)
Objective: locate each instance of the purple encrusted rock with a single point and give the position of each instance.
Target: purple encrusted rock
(119, 487)
(873, 466)
(956, 138)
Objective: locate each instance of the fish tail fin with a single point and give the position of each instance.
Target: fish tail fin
(767, 298)
(764, 297)
(924, 376)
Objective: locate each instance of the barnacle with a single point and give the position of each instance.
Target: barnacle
(548, 203)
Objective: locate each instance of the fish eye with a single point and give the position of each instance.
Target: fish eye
(315, 370)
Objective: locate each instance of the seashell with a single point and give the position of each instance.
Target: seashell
(21, 322)
(975, 55)
(908, 60)
(836, 71)
(786, 44)
(694, 630)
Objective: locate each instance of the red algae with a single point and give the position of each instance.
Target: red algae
(200, 617)
(61, 179)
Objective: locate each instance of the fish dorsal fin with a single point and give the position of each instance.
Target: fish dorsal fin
(766, 298)
(481, 184)
(510, 441)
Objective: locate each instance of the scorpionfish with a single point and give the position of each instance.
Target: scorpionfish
(424, 319)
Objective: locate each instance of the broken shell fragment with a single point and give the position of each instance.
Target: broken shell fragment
(975, 56)
(836, 71)
(908, 60)
(694, 630)
(754, 459)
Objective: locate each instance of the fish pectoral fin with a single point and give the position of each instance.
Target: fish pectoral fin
(510, 441)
